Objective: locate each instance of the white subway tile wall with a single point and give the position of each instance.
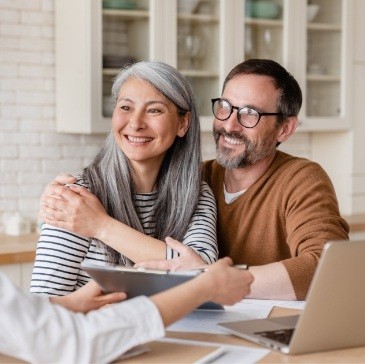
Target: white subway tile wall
(31, 152)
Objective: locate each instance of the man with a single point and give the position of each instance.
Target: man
(275, 211)
(36, 330)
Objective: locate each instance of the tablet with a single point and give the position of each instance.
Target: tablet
(140, 281)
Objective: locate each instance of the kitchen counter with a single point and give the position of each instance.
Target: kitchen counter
(356, 222)
(18, 249)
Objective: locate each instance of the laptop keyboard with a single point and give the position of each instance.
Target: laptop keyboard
(283, 336)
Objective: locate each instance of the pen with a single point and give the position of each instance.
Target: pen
(241, 266)
(215, 355)
(238, 266)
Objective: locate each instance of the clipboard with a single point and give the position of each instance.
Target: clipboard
(140, 281)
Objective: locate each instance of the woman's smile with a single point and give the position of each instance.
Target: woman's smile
(146, 123)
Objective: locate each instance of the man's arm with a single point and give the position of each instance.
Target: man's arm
(272, 281)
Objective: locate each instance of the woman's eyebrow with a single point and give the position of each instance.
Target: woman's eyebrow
(148, 102)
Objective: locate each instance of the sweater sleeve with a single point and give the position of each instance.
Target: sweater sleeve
(312, 219)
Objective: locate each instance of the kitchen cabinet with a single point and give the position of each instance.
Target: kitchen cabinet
(19, 274)
(314, 47)
(17, 255)
(204, 43)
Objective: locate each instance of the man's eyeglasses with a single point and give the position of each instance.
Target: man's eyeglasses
(246, 116)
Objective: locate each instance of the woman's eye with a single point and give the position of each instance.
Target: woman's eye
(125, 108)
(154, 111)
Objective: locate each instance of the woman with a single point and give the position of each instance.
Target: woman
(146, 179)
(38, 330)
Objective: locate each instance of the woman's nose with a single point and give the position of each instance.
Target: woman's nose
(136, 121)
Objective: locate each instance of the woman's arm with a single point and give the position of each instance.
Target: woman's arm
(221, 283)
(81, 212)
(89, 297)
(56, 269)
(30, 322)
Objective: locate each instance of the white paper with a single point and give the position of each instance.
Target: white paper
(234, 355)
(205, 321)
(224, 354)
(271, 303)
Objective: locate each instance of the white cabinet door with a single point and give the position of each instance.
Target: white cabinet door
(13, 271)
(359, 30)
(315, 50)
(26, 272)
(204, 43)
(20, 274)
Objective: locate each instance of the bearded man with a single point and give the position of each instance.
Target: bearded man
(275, 211)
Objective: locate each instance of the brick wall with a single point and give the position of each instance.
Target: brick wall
(31, 152)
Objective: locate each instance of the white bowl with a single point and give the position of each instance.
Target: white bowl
(312, 11)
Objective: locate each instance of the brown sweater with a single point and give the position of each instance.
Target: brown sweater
(287, 215)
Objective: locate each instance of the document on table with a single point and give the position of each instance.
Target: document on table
(224, 354)
(206, 321)
(271, 303)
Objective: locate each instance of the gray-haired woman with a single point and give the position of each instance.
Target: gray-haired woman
(143, 186)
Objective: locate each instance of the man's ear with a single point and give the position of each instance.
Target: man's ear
(287, 128)
(184, 124)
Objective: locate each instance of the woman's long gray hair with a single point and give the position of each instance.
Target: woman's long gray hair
(110, 175)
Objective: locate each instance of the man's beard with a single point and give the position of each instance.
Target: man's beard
(253, 152)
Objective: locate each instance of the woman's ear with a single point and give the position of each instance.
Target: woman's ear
(184, 124)
(287, 128)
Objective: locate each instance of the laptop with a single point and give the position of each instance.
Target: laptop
(334, 314)
(141, 281)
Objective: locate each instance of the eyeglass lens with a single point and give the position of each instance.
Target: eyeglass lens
(246, 116)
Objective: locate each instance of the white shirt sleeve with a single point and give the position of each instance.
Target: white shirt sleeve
(35, 330)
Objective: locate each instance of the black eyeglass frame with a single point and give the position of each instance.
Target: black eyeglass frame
(238, 112)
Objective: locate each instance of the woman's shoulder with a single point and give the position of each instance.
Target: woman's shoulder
(205, 190)
(212, 173)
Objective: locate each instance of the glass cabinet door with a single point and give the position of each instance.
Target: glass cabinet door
(263, 30)
(324, 42)
(125, 39)
(198, 49)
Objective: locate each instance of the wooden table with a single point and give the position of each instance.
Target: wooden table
(20, 249)
(164, 352)
(161, 352)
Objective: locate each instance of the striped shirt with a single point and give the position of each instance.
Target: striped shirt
(60, 253)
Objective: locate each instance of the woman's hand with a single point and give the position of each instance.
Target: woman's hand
(73, 208)
(221, 283)
(187, 259)
(225, 283)
(87, 298)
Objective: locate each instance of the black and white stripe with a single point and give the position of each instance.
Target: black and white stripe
(60, 253)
